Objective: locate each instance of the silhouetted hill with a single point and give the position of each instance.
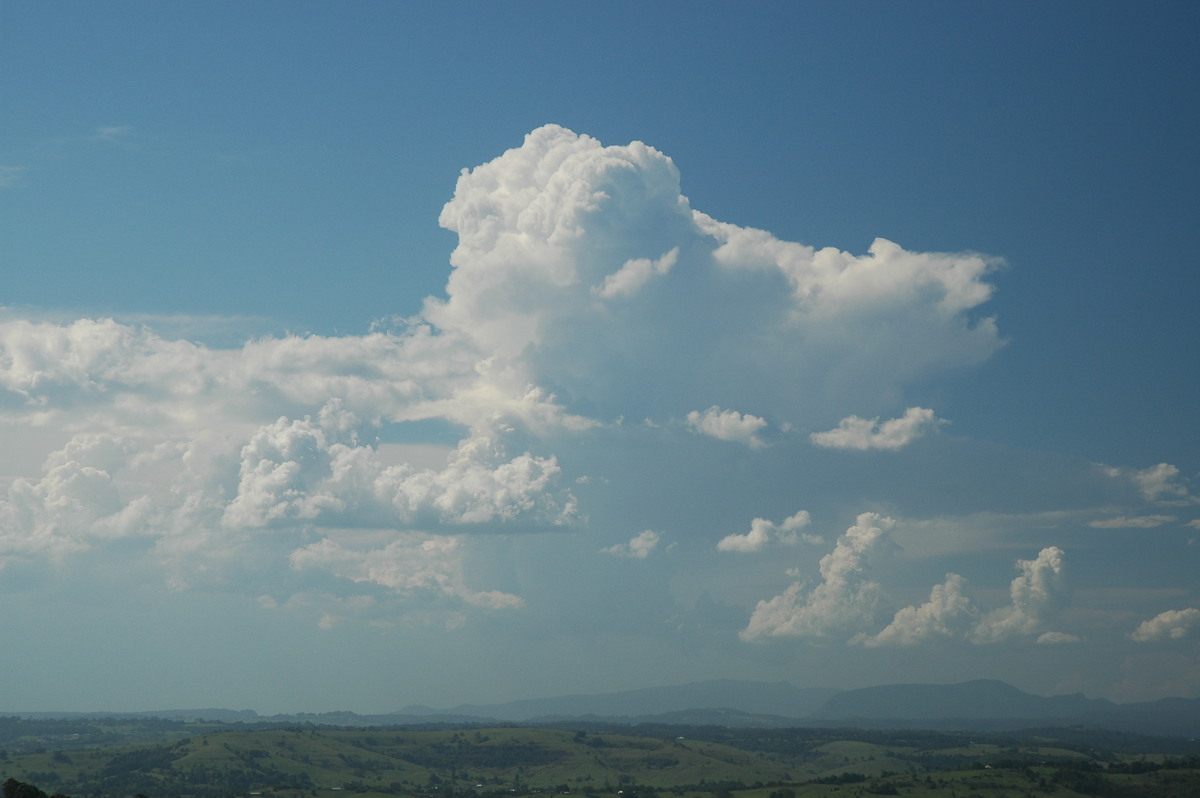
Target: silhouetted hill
(982, 698)
(764, 698)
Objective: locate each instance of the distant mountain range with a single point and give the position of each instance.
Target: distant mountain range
(976, 705)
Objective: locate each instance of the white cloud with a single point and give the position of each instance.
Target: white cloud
(1158, 484)
(844, 600)
(1135, 522)
(639, 547)
(584, 289)
(727, 425)
(763, 532)
(949, 613)
(1037, 596)
(552, 232)
(1169, 625)
(853, 432)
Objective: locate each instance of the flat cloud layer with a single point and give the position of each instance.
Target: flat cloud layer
(590, 316)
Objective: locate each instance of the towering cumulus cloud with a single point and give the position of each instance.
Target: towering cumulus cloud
(585, 267)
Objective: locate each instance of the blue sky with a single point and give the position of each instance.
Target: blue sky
(358, 355)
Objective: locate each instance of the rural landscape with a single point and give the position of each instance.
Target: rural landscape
(229, 754)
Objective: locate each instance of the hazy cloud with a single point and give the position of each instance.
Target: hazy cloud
(1169, 625)
(1134, 522)
(639, 547)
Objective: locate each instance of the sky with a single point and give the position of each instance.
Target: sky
(359, 355)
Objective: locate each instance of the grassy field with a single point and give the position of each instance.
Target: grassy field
(514, 762)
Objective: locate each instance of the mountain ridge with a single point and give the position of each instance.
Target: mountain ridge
(981, 704)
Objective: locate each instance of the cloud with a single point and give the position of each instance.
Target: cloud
(314, 470)
(113, 133)
(584, 288)
(949, 613)
(581, 267)
(1169, 625)
(1135, 522)
(639, 547)
(763, 532)
(11, 175)
(1158, 484)
(853, 432)
(412, 564)
(1037, 596)
(845, 599)
(727, 425)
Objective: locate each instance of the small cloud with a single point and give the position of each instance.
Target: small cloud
(728, 425)
(1169, 625)
(763, 532)
(1194, 524)
(1136, 522)
(10, 175)
(853, 432)
(1158, 484)
(1058, 638)
(639, 547)
(113, 133)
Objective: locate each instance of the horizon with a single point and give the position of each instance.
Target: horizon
(449, 709)
(394, 354)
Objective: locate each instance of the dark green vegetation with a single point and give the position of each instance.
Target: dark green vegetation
(164, 759)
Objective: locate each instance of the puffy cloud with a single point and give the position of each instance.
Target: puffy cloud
(950, 612)
(845, 599)
(763, 532)
(1158, 484)
(1135, 522)
(727, 425)
(639, 547)
(853, 432)
(1037, 595)
(306, 470)
(1169, 625)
